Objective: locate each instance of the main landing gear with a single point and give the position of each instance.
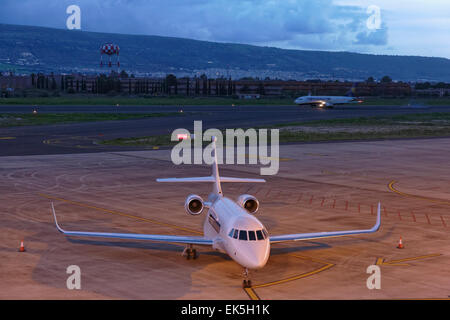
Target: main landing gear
(247, 283)
(189, 253)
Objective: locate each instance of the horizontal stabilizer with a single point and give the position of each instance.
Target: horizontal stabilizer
(210, 179)
(230, 179)
(215, 178)
(193, 179)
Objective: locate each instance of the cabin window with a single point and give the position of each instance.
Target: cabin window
(251, 235)
(260, 235)
(242, 235)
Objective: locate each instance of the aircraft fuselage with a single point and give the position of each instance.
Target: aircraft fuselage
(236, 232)
(326, 101)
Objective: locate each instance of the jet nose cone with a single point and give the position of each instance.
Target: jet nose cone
(256, 256)
(256, 264)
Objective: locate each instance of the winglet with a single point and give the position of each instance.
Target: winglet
(56, 221)
(377, 225)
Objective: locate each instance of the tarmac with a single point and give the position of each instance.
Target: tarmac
(320, 187)
(82, 137)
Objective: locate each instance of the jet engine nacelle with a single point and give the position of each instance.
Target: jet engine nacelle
(194, 204)
(325, 104)
(249, 203)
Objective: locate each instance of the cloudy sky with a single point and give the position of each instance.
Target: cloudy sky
(404, 27)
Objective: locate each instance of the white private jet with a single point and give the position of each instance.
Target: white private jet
(328, 101)
(230, 226)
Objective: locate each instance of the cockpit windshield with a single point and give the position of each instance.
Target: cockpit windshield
(248, 235)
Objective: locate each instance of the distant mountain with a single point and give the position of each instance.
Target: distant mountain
(28, 49)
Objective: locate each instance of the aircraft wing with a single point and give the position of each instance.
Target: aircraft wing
(319, 235)
(230, 179)
(135, 236)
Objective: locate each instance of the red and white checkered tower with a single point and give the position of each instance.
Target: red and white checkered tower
(110, 50)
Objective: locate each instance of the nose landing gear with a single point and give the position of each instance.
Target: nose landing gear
(247, 283)
(189, 253)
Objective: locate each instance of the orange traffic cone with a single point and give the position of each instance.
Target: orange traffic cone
(400, 244)
(22, 247)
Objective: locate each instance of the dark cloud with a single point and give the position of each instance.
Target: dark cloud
(291, 23)
(372, 37)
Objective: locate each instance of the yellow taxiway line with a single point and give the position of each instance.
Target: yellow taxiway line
(7, 138)
(80, 204)
(381, 261)
(254, 296)
(391, 187)
(300, 276)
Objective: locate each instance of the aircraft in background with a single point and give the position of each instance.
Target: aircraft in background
(230, 227)
(328, 101)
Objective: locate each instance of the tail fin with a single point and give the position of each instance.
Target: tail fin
(214, 178)
(352, 91)
(215, 169)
